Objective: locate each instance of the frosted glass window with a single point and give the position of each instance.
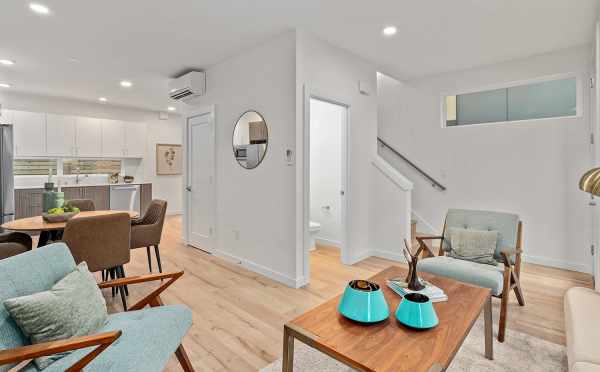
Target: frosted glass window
(481, 107)
(547, 99)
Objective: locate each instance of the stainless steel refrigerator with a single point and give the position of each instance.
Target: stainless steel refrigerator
(7, 183)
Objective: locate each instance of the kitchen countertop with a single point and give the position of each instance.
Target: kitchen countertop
(84, 185)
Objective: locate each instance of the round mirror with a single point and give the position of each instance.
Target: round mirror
(250, 139)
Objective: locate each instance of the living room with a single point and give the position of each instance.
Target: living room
(466, 174)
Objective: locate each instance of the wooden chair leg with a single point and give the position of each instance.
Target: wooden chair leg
(504, 305)
(518, 290)
(184, 360)
(149, 258)
(157, 253)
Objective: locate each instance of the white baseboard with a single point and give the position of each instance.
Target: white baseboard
(174, 213)
(325, 241)
(389, 255)
(359, 257)
(560, 264)
(265, 271)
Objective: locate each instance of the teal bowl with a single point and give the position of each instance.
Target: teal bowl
(364, 302)
(416, 311)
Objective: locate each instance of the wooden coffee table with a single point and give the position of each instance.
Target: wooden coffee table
(389, 345)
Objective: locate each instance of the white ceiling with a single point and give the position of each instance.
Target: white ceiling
(150, 41)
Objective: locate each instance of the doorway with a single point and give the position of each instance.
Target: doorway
(327, 172)
(200, 181)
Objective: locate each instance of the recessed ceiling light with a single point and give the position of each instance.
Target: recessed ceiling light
(126, 84)
(102, 99)
(6, 62)
(74, 60)
(171, 108)
(4, 85)
(389, 31)
(39, 8)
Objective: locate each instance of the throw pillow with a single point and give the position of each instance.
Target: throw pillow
(74, 306)
(473, 245)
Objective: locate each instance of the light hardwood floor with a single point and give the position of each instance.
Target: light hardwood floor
(239, 315)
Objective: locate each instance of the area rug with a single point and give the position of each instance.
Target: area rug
(519, 353)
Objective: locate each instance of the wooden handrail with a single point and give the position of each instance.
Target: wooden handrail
(433, 181)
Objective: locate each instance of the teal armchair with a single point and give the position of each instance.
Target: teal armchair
(141, 339)
(501, 279)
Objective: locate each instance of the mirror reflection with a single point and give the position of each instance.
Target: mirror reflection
(250, 139)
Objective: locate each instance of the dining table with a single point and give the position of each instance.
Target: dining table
(37, 223)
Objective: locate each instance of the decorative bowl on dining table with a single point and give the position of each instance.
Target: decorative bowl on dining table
(58, 217)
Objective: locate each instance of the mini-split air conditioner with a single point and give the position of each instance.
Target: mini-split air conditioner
(188, 86)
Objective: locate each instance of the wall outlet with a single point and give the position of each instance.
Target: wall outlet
(236, 234)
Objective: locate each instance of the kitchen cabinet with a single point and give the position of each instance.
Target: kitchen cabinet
(60, 137)
(113, 138)
(135, 140)
(29, 134)
(98, 194)
(88, 137)
(6, 116)
(123, 139)
(28, 202)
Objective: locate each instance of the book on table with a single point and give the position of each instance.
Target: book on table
(435, 294)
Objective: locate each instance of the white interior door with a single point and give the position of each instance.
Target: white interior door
(201, 181)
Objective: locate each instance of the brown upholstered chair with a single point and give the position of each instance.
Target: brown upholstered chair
(147, 230)
(12, 244)
(84, 205)
(102, 242)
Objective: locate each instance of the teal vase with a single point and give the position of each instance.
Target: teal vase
(365, 305)
(52, 199)
(416, 311)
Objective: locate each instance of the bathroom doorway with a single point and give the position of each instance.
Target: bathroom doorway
(327, 175)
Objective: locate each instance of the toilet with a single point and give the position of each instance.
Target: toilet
(313, 230)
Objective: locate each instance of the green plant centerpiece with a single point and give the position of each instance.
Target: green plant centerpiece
(61, 214)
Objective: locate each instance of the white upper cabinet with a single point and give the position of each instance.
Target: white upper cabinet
(113, 138)
(60, 137)
(29, 134)
(88, 137)
(135, 140)
(53, 135)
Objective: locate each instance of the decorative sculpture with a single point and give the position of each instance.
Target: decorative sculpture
(412, 280)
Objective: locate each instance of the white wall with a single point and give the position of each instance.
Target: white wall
(159, 131)
(255, 207)
(531, 168)
(326, 121)
(333, 73)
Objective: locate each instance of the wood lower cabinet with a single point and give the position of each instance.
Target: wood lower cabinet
(100, 195)
(28, 202)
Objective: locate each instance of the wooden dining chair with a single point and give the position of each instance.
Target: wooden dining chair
(84, 205)
(102, 242)
(14, 243)
(147, 231)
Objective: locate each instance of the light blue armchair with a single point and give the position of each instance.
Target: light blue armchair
(501, 279)
(136, 340)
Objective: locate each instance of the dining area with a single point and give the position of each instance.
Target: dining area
(101, 238)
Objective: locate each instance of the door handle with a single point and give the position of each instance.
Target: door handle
(188, 188)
